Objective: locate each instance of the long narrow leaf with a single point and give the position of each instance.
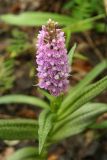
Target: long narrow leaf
(88, 94)
(18, 129)
(24, 153)
(34, 158)
(78, 121)
(42, 120)
(71, 54)
(74, 93)
(45, 124)
(92, 75)
(68, 37)
(82, 25)
(35, 18)
(46, 94)
(46, 130)
(100, 125)
(18, 98)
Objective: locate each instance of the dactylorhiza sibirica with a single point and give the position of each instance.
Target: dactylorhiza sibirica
(52, 60)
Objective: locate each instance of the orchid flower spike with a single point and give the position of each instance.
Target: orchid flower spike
(52, 60)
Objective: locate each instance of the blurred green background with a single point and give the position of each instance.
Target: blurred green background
(84, 23)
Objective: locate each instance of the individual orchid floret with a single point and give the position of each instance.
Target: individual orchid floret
(52, 60)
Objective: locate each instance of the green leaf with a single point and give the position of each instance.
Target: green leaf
(46, 94)
(6, 74)
(87, 94)
(78, 121)
(92, 75)
(75, 92)
(33, 158)
(24, 153)
(35, 18)
(45, 124)
(20, 98)
(18, 129)
(82, 25)
(40, 18)
(18, 44)
(68, 37)
(100, 27)
(81, 56)
(90, 92)
(71, 54)
(42, 119)
(68, 5)
(100, 125)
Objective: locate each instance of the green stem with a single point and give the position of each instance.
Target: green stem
(44, 154)
(55, 103)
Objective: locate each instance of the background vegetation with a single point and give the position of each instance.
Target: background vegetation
(84, 23)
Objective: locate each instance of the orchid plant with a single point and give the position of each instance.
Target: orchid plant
(67, 111)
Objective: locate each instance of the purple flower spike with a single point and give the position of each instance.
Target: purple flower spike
(52, 60)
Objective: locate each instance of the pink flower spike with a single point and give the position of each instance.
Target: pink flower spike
(53, 67)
